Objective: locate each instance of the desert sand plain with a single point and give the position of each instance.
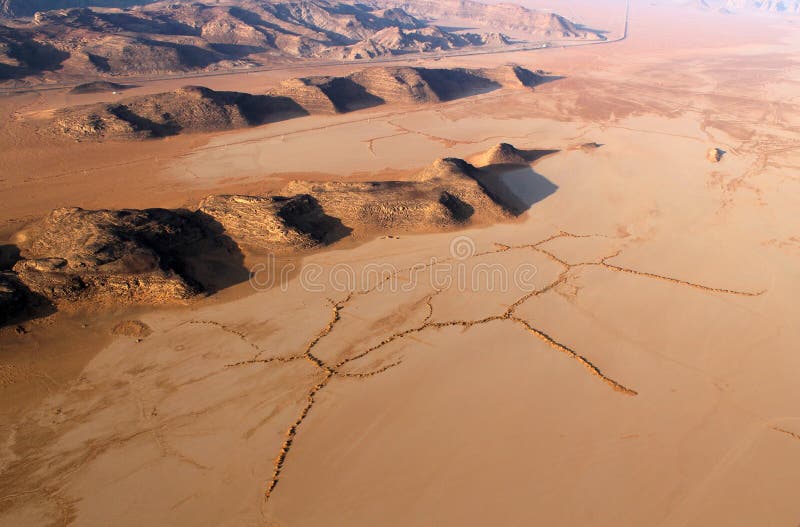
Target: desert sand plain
(645, 374)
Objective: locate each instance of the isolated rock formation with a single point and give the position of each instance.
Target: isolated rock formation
(122, 255)
(132, 328)
(715, 155)
(501, 154)
(589, 147)
(189, 109)
(440, 197)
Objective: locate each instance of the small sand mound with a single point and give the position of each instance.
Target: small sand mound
(501, 154)
(132, 328)
(99, 87)
(715, 155)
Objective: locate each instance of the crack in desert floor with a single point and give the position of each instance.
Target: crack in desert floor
(787, 432)
(509, 315)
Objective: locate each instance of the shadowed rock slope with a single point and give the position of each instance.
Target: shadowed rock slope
(175, 37)
(99, 87)
(198, 109)
(189, 109)
(125, 255)
(401, 85)
(162, 256)
(275, 224)
(505, 16)
(501, 154)
(22, 8)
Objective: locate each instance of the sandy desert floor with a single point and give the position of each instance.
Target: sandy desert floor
(624, 354)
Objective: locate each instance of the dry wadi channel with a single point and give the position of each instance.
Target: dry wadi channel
(645, 375)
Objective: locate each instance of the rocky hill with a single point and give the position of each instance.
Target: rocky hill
(24, 8)
(167, 37)
(768, 6)
(64, 39)
(198, 109)
(777, 7)
(536, 25)
(161, 256)
(501, 154)
(189, 109)
(401, 85)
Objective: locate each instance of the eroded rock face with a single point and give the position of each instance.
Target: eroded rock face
(400, 85)
(441, 197)
(176, 37)
(274, 224)
(714, 155)
(162, 256)
(123, 255)
(502, 154)
(198, 109)
(189, 109)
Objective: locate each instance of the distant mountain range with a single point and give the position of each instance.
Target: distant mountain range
(771, 6)
(747, 6)
(166, 37)
(504, 17)
(23, 8)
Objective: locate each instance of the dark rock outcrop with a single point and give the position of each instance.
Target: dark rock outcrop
(274, 224)
(190, 109)
(149, 256)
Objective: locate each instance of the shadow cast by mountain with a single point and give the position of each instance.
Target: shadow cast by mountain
(32, 57)
(236, 51)
(158, 25)
(143, 124)
(9, 255)
(265, 109)
(321, 227)
(189, 56)
(452, 84)
(545, 79)
(253, 19)
(349, 96)
(534, 155)
(515, 188)
(215, 261)
(601, 33)
(100, 87)
(457, 29)
(459, 209)
(18, 304)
